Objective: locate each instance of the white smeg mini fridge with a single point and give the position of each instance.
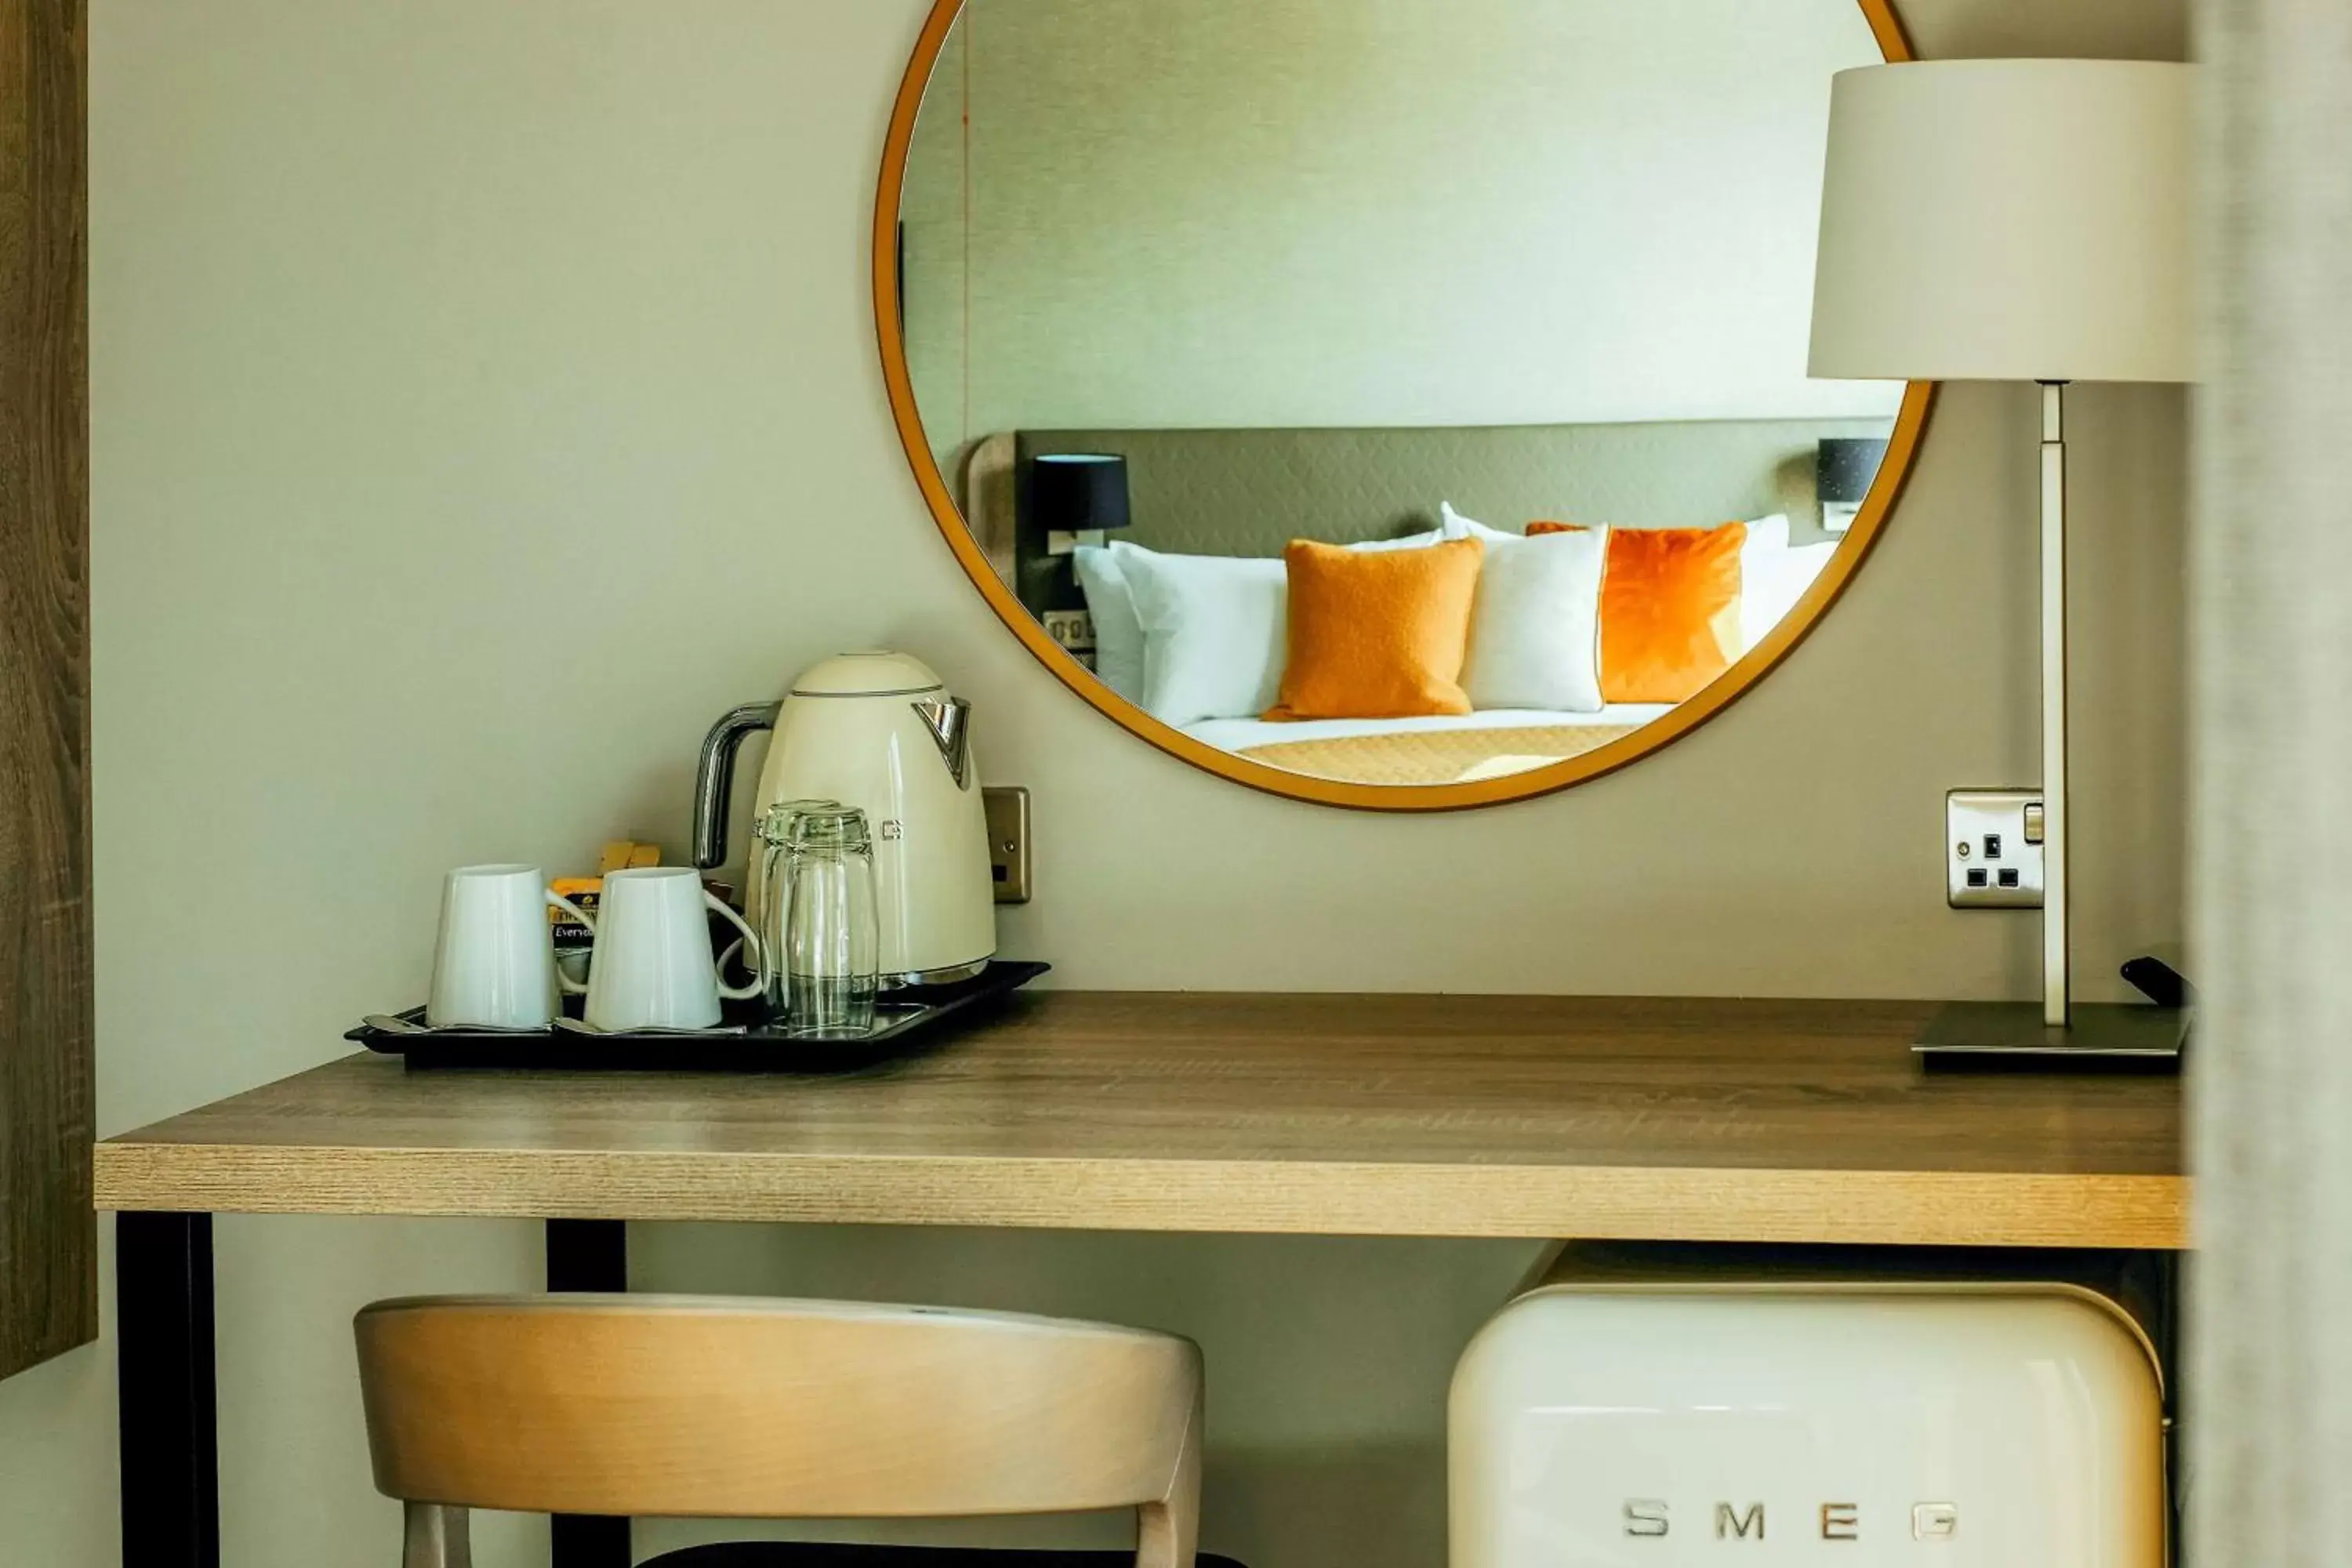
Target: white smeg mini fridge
(1663, 1407)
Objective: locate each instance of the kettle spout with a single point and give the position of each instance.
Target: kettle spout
(950, 722)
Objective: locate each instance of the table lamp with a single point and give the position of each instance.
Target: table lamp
(2015, 220)
(1075, 496)
(1844, 467)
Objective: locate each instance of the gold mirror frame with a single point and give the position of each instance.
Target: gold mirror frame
(1861, 537)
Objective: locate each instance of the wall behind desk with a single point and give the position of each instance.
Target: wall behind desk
(1123, 214)
(484, 399)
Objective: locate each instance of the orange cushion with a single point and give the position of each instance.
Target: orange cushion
(1669, 609)
(1378, 634)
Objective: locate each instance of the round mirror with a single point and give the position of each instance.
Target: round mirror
(1399, 404)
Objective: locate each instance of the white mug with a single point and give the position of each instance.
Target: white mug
(494, 964)
(652, 966)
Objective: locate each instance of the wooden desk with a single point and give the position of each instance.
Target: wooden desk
(1531, 1117)
(1374, 1115)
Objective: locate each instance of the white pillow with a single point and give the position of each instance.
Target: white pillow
(1118, 633)
(1215, 631)
(1410, 542)
(1452, 524)
(1765, 534)
(1770, 585)
(1535, 629)
(1119, 636)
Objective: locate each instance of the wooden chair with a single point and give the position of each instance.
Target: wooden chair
(736, 1408)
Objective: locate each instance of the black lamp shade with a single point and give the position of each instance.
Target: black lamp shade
(1075, 492)
(1844, 467)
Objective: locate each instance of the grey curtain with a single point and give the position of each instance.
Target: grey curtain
(2269, 1417)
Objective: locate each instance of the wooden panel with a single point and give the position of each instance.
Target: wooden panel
(1373, 1115)
(48, 1247)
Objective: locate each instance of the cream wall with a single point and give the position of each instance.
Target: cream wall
(1373, 212)
(484, 398)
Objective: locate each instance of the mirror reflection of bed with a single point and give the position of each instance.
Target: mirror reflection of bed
(1208, 516)
(1389, 391)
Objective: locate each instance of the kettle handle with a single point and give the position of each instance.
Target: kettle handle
(714, 778)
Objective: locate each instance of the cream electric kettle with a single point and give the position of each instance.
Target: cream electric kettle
(879, 731)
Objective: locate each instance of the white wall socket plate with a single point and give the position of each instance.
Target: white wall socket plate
(1993, 848)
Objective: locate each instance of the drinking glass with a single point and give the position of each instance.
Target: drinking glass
(770, 891)
(833, 937)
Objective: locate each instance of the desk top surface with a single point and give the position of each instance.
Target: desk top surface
(1408, 1115)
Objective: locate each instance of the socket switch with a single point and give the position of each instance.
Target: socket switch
(1993, 848)
(1008, 842)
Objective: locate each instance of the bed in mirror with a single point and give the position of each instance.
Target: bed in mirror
(1399, 404)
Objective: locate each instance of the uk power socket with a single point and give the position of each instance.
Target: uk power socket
(1993, 848)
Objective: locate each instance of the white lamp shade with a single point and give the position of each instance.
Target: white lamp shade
(2006, 220)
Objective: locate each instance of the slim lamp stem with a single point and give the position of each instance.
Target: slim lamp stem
(2054, 904)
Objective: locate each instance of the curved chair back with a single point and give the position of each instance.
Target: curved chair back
(737, 1407)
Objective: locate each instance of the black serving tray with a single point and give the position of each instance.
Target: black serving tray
(906, 1023)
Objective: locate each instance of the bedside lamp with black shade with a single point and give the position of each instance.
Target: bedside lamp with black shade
(1077, 497)
(2016, 220)
(1843, 468)
(1072, 499)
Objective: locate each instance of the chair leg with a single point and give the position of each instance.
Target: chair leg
(437, 1537)
(1167, 1532)
(1163, 1540)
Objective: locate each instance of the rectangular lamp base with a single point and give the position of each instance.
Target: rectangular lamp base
(2012, 1035)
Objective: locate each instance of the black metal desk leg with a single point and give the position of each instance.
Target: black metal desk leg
(164, 1347)
(588, 1255)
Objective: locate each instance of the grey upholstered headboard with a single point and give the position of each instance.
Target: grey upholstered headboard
(1250, 493)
